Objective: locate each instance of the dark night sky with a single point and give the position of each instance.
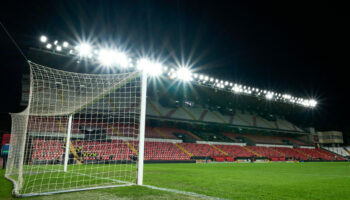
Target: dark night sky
(301, 48)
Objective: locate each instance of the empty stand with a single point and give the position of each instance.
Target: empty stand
(201, 149)
(235, 151)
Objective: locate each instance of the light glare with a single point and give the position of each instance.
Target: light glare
(149, 67)
(84, 49)
(65, 44)
(184, 74)
(43, 38)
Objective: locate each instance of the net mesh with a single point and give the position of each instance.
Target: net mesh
(79, 131)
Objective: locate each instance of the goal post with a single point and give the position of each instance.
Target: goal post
(142, 129)
(79, 132)
(69, 130)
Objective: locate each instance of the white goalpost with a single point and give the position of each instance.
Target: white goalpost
(66, 152)
(79, 132)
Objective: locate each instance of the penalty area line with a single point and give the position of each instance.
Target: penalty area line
(193, 194)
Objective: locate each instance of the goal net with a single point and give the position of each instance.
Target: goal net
(79, 132)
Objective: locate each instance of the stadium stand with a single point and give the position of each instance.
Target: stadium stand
(122, 150)
(201, 149)
(198, 113)
(338, 150)
(235, 150)
(228, 147)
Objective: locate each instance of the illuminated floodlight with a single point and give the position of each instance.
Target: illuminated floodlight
(313, 103)
(58, 48)
(287, 96)
(55, 42)
(108, 57)
(84, 49)
(43, 39)
(305, 103)
(211, 79)
(237, 89)
(201, 77)
(206, 78)
(184, 74)
(65, 44)
(151, 68)
(310, 103)
(269, 95)
(122, 59)
(49, 46)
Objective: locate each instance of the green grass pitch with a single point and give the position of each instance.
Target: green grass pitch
(225, 180)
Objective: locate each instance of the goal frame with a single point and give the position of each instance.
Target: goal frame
(140, 156)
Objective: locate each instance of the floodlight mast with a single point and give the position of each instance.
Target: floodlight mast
(142, 128)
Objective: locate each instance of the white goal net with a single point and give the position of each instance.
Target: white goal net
(79, 131)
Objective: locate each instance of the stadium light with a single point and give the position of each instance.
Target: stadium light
(58, 48)
(151, 68)
(84, 49)
(184, 74)
(43, 39)
(269, 96)
(236, 89)
(49, 46)
(65, 44)
(108, 57)
(122, 59)
(312, 103)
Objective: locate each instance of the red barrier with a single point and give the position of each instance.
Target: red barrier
(5, 138)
